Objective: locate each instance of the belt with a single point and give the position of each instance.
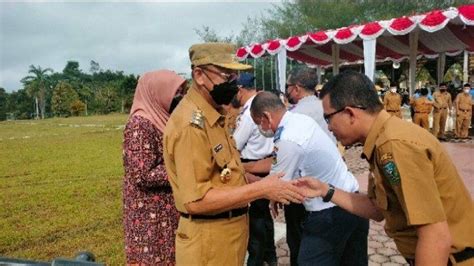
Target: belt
(466, 254)
(461, 256)
(393, 111)
(222, 215)
(422, 112)
(464, 110)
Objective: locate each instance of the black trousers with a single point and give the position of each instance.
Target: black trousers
(295, 215)
(261, 245)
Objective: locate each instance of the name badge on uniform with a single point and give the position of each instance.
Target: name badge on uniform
(218, 148)
(274, 155)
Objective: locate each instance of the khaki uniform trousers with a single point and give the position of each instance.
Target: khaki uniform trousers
(463, 120)
(439, 122)
(421, 119)
(212, 242)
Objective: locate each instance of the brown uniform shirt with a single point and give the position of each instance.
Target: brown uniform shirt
(414, 182)
(464, 102)
(422, 105)
(392, 101)
(197, 149)
(441, 101)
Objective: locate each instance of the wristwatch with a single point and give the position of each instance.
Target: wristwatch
(329, 195)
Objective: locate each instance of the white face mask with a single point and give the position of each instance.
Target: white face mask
(393, 90)
(266, 133)
(467, 90)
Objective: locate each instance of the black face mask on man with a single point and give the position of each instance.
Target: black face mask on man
(224, 92)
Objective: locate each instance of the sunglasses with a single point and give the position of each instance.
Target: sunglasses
(327, 117)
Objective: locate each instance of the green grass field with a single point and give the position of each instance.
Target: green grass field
(61, 188)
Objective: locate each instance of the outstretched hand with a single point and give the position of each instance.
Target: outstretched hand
(311, 187)
(282, 191)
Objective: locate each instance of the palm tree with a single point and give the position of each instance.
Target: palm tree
(36, 86)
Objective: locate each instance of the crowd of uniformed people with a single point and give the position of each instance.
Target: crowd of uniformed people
(223, 159)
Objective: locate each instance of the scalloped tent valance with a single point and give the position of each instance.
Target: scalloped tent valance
(450, 31)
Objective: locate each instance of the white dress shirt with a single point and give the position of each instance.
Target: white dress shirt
(251, 144)
(312, 106)
(303, 149)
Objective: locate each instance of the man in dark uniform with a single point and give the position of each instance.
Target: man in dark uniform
(413, 184)
(204, 168)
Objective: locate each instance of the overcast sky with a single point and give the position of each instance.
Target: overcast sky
(134, 37)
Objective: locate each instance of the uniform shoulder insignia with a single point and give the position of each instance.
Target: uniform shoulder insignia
(277, 134)
(389, 169)
(197, 119)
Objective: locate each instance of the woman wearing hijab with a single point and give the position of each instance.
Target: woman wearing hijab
(149, 215)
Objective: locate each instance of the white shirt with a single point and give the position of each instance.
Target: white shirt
(251, 144)
(312, 106)
(303, 149)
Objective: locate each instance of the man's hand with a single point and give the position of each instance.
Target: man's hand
(251, 178)
(311, 187)
(280, 190)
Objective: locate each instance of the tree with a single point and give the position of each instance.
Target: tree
(95, 67)
(106, 100)
(63, 98)
(207, 34)
(3, 104)
(20, 104)
(77, 107)
(37, 85)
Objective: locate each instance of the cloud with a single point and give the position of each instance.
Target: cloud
(132, 37)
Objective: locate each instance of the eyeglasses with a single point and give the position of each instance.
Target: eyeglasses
(327, 117)
(229, 77)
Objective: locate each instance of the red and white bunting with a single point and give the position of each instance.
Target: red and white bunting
(450, 31)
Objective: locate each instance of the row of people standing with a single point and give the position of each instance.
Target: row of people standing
(211, 193)
(440, 105)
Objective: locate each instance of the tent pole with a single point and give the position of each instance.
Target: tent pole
(335, 59)
(255, 72)
(263, 73)
(369, 58)
(465, 71)
(413, 37)
(441, 65)
(318, 72)
(271, 72)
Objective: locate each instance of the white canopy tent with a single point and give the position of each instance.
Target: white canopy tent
(432, 35)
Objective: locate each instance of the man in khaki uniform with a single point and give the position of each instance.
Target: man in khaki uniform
(441, 103)
(463, 105)
(422, 107)
(392, 102)
(204, 168)
(413, 185)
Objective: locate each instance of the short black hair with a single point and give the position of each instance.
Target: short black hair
(351, 88)
(424, 91)
(265, 101)
(443, 84)
(467, 85)
(304, 76)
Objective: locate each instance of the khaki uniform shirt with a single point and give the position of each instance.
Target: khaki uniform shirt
(422, 105)
(464, 102)
(441, 101)
(198, 151)
(414, 182)
(392, 101)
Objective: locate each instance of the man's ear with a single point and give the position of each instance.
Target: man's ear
(198, 76)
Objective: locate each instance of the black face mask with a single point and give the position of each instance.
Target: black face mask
(235, 102)
(175, 102)
(224, 93)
